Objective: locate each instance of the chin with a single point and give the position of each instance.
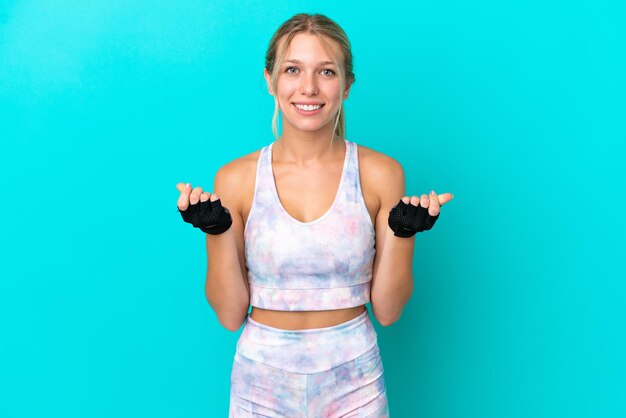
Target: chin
(309, 128)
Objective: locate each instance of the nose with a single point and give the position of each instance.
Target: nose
(308, 85)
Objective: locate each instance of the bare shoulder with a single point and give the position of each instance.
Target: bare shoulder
(234, 181)
(379, 170)
(382, 180)
(237, 170)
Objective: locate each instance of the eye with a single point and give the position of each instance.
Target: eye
(290, 68)
(330, 72)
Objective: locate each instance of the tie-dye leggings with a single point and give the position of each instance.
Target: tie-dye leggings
(321, 372)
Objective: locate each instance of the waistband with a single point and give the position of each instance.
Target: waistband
(309, 299)
(309, 350)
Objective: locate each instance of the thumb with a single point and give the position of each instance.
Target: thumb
(183, 198)
(181, 187)
(444, 198)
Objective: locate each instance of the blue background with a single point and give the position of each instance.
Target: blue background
(515, 107)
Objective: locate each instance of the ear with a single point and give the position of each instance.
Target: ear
(347, 91)
(268, 79)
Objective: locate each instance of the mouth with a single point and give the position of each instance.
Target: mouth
(308, 109)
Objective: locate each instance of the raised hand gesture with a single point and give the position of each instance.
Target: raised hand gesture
(203, 210)
(414, 214)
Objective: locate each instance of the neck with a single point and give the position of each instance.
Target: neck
(304, 148)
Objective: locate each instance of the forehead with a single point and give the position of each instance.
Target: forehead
(308, 48)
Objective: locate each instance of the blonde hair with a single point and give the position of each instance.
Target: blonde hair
(319, 25)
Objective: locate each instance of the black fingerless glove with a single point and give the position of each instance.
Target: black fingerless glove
(210, 217)
(406, 219)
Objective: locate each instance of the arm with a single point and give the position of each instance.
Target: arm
(227, 287)
(392, 281)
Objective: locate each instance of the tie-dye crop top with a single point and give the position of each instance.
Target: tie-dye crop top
(309, 266)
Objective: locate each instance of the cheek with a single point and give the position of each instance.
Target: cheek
(285, 86)
(332, 91)
(285, 92)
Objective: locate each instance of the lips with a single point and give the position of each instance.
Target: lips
(308, 105)
(308, 110)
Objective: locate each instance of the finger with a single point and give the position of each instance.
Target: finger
(205, 196)
(195, 195)
(217, 204)
(411, 209)
(214, 197)
(400, 207)
(445, 198)
(434, 207)
(424, 201)
(415, 200)
(406, 199)
(183, 199)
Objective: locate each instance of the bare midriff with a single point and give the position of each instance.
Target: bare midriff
(293, 320)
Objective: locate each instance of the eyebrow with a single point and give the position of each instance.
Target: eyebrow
(300, 62)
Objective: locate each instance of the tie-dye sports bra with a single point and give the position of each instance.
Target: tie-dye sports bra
(309, 266)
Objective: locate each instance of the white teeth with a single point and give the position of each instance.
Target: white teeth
(308, 107)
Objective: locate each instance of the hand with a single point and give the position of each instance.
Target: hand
(209, 215)
(412, 214)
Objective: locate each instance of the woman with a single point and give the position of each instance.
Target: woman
(308, 230)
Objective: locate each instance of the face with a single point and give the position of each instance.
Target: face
(308, 85)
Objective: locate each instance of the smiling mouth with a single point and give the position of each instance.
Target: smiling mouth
(308, 108)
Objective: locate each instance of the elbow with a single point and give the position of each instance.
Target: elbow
(230, 317)
(385, 321)
(386, 317)
(230, 321)
(387, 313)
(230, 325)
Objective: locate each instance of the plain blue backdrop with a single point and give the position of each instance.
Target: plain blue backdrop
(517, 108)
